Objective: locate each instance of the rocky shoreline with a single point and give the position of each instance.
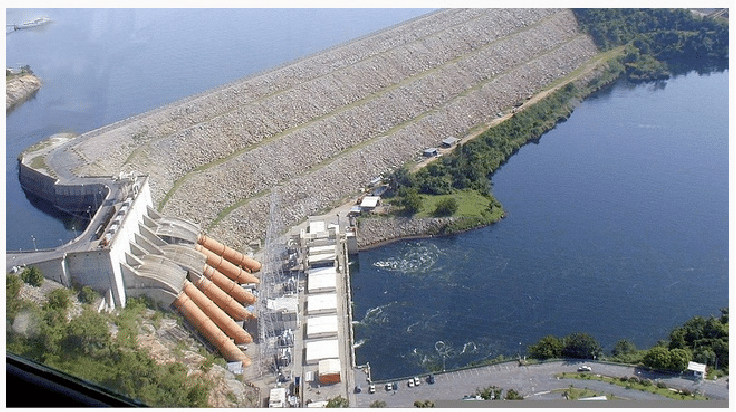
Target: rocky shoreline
(20, 89)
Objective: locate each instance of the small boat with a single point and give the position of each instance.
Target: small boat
(34, 23)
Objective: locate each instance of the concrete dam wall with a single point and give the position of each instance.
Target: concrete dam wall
(318, 129)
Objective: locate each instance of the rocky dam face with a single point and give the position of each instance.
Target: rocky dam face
(273, 148)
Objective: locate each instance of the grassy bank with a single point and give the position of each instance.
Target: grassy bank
(634, 383)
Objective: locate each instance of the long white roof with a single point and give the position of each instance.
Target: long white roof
(322, 325)
(322, 349)
(322, 302)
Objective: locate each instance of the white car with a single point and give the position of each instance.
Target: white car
(416, 381)
(372, 389)
(388, 387)
(411, 383)
(584, 369)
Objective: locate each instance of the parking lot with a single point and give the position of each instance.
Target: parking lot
(533, 382)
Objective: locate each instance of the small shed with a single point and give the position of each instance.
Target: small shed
(370, 202)
(354, 211)
(431, 152)
(329, 371)
(449, 142)
(697, 369)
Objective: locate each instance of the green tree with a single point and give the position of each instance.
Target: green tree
(580, 345)
(338, 402)
(657, 358)
(548, 347)
(679, 359)
(87, 335)
(623, 348)
(423, 404)
(446, 207)
(378, 404)
(513, 395)
(412, 201)
(32, 275)
(87, 295)
(59, 301)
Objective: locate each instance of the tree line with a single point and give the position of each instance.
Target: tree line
(84, 347)
(699, 339)
(658, 41)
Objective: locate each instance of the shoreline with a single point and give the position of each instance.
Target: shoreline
(19, 89)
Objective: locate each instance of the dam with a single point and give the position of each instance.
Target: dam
(324, 126)
(314, 131)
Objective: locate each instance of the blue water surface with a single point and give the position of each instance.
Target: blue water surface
(617, 226)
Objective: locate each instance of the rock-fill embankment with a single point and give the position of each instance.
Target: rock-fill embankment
(322, 127)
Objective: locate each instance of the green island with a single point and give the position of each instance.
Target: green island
(640, 44)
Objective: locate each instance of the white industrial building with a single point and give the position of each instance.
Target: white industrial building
(320, 281)
(322, 327)
(321, 303)
(318, 350)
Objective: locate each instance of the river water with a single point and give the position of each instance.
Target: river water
(617, 220)
(617, 226)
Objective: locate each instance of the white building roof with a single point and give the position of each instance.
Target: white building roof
(316, 250)
(316, 227)
(370, 201)
(322, 302)
(322, 282)
(322, 349)
(329, 366)
(321, 326)
(322, 271)
(695, 366)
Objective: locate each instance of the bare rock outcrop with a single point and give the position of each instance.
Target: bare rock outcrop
(20, 89)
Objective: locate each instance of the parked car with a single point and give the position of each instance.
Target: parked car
(410, 383)
(388, 386)
(372, 389)
(357, 389)
(584, 369)
(430, 379)
(396, 386)
(416, 381)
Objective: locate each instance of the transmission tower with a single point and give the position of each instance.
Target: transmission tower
(271, 281)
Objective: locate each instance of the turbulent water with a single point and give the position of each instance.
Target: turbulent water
(617, 226)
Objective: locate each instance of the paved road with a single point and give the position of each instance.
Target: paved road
(533, 382)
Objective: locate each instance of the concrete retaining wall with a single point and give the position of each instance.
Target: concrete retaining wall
(80, 198)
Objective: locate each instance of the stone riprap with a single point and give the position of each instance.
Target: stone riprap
(377, 230)
(322, 127)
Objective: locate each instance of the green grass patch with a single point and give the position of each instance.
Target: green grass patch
(631, 384)
(37, 163)
(470, 203)
(573, 393)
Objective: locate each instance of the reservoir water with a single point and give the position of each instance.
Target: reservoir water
(617, 226)
(617, 220)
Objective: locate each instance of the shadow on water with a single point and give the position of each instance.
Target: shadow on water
(70, 221)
